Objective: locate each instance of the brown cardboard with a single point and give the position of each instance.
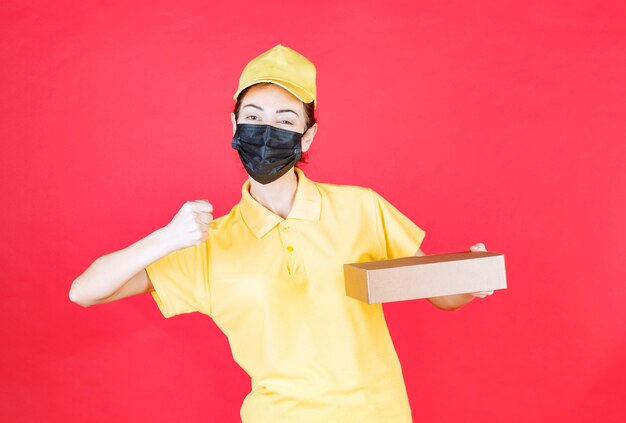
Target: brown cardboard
(434, 275)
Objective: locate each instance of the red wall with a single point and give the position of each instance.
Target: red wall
(490, 121)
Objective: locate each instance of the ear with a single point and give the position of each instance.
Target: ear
(232, 118)
(307, 137)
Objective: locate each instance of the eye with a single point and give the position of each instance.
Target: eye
(286, 122)
(251, 116)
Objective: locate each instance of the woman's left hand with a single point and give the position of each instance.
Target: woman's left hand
(481, 294)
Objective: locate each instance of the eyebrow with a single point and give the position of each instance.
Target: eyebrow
(277, 111)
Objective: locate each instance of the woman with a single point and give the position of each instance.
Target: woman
(270, 272)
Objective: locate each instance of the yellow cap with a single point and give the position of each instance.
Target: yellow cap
(284, 67)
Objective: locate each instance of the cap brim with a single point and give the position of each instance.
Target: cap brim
(300, 93)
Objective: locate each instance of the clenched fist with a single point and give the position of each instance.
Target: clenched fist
(190, 226)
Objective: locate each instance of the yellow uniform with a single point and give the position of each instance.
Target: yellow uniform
(275, 288)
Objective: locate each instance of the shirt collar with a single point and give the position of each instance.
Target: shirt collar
(307, 205)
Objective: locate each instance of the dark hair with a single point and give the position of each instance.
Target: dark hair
(309, 114)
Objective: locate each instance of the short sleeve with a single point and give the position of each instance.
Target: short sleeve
(180, 281)
(397, 234)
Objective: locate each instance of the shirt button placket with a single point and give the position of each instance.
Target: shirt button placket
(286, 242)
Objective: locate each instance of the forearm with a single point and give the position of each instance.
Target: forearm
(110, 272)
(451, 302)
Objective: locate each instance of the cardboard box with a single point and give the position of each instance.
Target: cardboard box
(434, 275)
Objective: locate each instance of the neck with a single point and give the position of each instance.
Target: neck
(277, 196)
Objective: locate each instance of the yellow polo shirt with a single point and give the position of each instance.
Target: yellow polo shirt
(275, 288)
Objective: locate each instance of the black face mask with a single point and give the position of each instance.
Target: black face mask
(266, 152)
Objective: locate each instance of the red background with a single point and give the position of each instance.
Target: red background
(491, 121)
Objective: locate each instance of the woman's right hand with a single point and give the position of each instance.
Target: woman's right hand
(122, 273)
(190, 226)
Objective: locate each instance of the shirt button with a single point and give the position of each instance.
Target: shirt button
(289, 248)
(285, 228)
